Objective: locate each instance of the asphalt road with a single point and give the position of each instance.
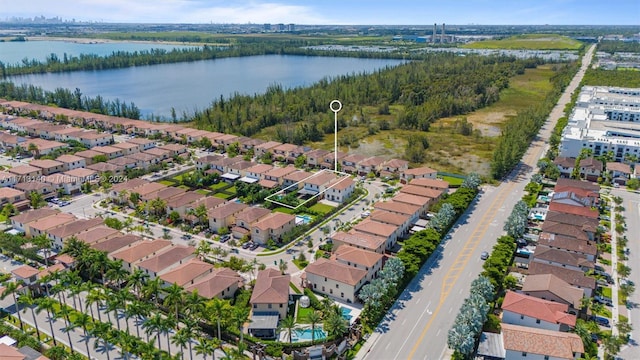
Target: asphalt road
(416, 326)
(631, 203)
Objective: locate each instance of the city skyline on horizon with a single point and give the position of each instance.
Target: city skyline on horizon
(467, 12)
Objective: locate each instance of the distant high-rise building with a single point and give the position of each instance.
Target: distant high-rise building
(280, 27)
(266, 27)
(291, 27)
(442, 35)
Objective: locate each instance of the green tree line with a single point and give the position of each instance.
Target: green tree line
(440, 85)
(68, 99)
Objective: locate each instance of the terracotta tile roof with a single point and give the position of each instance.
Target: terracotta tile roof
(553, 284)
(591, 163)
(10, 193)
(571, 183)
(51, 269)
(25, 271)
(226, 210)
(271, 287)
(149, 188)
(106, 149)
(396, 207)
(45, 164)
(140, 250)
(252, 214)
(140, 141)
(24, 169)
(565, 162)
(576, 210)
(579, 220)
(342, 183)
(183, 199)
(32, 215)
(562, 257)
(80, 172)
(357, 256)
(32, 186)
(65, 259)
(430, 183)
(116, 243)
(375, 228)
(209, 202)
(412, 199)
(88, 154)
(142, 156)
(268, 145)
(75, 227)
(213, 284)
(568, 243)
(10, 353)
(396, 163)
(103, 167)
(619, 167)
(337, 271)
(389, 217)
(125, 145)
(167, 257)
(43, 144)
(129, 185)
(575, 231)
(560, 345)
(57, 179)
(122, 161)
(165, 193)
(573, 277)
(268, 184)
(274, 221)
(353, 159)
(297, 176)
(50, 222)
(186, 272)
(97, 233)
(360, 239)
(420, 191)
(544, 310)
(372, 161)
(320, 178)
(156, 152)
(419, 171)
(259, 168)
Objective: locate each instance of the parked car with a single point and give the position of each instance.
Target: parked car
(603, 300)
(601, 321)
(63, 203)
(484, 255)
(224, 238)
(253, 246)
(246, 245)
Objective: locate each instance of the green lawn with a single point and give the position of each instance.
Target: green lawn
(231, 190)
(453, 181)
(283, 209)
(203, 192)
(184, 187)
(218, 186)
(606, 292)
(321, 208)
(302, 314)
(167, 182)
(529, 41)
(223, 196)
(300, 264)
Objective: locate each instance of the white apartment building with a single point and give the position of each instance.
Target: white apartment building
(605, 119)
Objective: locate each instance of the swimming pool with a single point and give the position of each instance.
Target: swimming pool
(305, 334)
(346, 313)
(303, 219)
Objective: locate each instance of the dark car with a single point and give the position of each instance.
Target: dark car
(246, 245)
(603, 300)
(601, 321)
(253, 246)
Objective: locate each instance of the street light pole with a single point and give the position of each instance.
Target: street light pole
(335, 106)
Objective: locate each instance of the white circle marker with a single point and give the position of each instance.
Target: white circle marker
(339, 104)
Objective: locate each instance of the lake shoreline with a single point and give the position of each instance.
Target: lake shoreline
(109, 41)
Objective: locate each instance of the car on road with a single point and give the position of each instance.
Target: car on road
(234, 251)
(484, 255)
(447, 237)
(246, 245)
(186, 237)
(253, 246)
(63, 203)
(224, 238)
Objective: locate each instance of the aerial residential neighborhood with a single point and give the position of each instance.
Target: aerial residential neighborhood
(234, 182)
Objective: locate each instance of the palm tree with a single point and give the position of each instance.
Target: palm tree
(12, 288)
(217, 308)
(181, 338)
(203, 249)
(239, 317)
(314, 319)
(158, 206)
(237, 353)
(48, 304)
(175, 298)
(75, 247)
(29, 301)
(151, 290)
(64, 313)
(101, 332)
(95, 296)
(168, 323)
(125, 297)
(289, 325)
(136, 281)
(57, 352)
(282, 266)
(113, 303)
(35, 199)
(42, 242)
(154, 325)
(335, 324)
(83, 320)
(33, 149)
(194, 304)
(139, 310)
(116, 273)
(206, 347)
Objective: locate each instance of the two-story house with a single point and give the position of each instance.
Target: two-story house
(335, 279)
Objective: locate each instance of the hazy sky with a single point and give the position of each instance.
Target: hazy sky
(341, 12)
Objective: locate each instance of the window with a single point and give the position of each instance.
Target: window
(269, 306)
(521, 317)
(255, 306)
(537, 321)
(524, 354)
(330, 291)
(546, 357)
(280, 306)
(337, 286)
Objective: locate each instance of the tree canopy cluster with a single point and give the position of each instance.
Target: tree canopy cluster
(495, 267)
(381, 292)
(619, 46)
(519, 130)
(436, 86)
(68, 99)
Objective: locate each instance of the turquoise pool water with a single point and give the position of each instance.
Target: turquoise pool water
(304, 219)
(305, 334)
(346, 313)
